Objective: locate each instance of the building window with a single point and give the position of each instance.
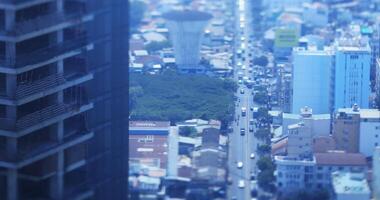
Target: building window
(146, 139)
(319, 176)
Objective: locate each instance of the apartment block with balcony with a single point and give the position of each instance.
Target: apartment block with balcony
(44, 102)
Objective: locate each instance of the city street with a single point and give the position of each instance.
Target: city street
(241, 146)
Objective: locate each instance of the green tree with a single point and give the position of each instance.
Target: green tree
(265, 179)
(262, 112)
(174, 97)
(261, 61)
(265, 163)
(187, 131)
(261, 98)
(264, 149)
(262, 134)
(137, 10)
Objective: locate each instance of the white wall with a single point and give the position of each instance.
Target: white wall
(369, 136)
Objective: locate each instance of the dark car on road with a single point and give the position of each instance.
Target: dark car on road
(242, 131)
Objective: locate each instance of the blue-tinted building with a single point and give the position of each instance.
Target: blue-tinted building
(311, 79)
(351, 73)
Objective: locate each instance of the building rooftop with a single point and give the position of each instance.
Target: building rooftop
(187, 15)
(349, 183)
(364, 113)
(298, 116)
(313, 50)
(149, 124)
(340, 158)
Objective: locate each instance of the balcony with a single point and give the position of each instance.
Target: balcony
(20, 4)
(44, 24)
(32, 153)
(30, 91)
(42, 118)
(44, 56)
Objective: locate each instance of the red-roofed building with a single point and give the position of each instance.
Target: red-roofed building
(280, 147)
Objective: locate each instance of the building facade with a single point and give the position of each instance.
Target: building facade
(346, 130)
(352, 73)
(376, 174)
(369, 131)
(311, 79)
(47, 107)
(319, 122)
(357, 130)
(314, 172)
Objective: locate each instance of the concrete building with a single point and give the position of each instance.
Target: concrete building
(346, 129)
(311, 79)
(323, 144)
(210, 159)
(50, 123)
(148, 143)
(301, 135)
(369, 131)
(357, 130)
(186, 31)
(320, 122)
(314, 172)
(293, 173)
(376, 174)
(350, 186)
(351, 72)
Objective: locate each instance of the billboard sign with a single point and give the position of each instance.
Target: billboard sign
(285, 38)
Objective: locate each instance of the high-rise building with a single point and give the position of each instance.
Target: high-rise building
(62, 118)
(186, 32)
(311, 79)
(351, 72)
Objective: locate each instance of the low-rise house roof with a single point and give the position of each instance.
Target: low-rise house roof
(340, 158)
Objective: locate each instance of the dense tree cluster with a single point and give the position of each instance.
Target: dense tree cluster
(187, 131)
(266, 177)
(175, 97)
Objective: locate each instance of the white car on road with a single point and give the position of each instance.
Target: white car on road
(252, 156)
(241, 184)
(240, 165)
